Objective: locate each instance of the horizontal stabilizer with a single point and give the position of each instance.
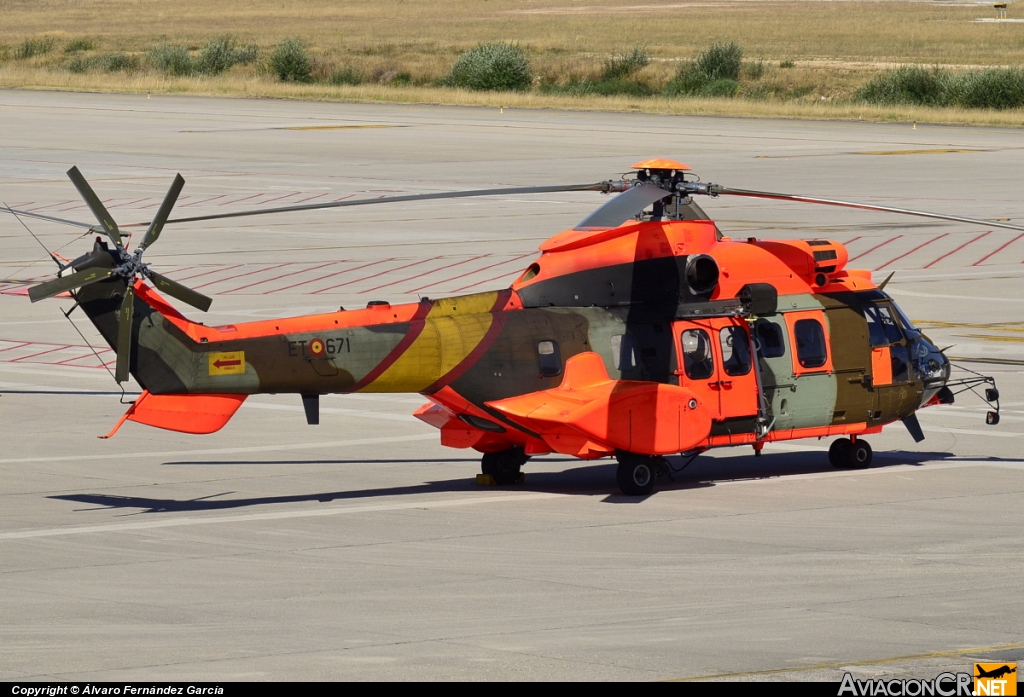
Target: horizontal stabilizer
(591, 412)
(185, 413)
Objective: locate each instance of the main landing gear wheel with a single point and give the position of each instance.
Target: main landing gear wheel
(847, 454)
(504, 466)
(636, 473)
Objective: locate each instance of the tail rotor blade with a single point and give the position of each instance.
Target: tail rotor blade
(161, 215)
(182, 293)
(70, 282)
(124, 334)
(97, 207)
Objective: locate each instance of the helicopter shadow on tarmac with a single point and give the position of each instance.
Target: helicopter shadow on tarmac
(590, 479)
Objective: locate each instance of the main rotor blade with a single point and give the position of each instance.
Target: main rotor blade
(605, 187)
(182, 293)
(97, 207)
(124, 334)
(726, 191)
(70, 282)
(623, 207)
(161, 215)
(40, 216)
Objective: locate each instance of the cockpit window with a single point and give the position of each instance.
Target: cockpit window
(882, 327)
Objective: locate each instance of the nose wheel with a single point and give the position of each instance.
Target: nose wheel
(849, 454)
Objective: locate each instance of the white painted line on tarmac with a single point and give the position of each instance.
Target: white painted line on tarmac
(225, 451)
(275, 515)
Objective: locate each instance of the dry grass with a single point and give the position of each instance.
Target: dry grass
(836, 46)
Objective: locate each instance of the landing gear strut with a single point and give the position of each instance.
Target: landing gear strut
(504, 466)
(636, 473)
(850, 454)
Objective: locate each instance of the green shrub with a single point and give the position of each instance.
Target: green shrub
(172, 60)
(76, 45)
(245, 55)
(995, 88)
(787, 64)
(753, 70)
(720, 88)
(491, 67)
(714, 73)
(605, 88)
(907, 84)
(120, 62)
(721, 61)
(79, 64)
(688, 80)
(346, 76)
(33, 47)
(217, 56)
(291, 61)
(625, 65)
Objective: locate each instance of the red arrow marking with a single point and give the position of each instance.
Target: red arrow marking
(220, 363)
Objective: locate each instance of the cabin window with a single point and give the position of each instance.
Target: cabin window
(624, 352)
(735, 351)
(768, 336)
(882, 327)
(549, 358)
(811, 351)
(698, 363)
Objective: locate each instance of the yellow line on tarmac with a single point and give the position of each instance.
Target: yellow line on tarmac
(823, 666)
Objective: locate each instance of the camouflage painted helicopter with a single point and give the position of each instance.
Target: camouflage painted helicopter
(640, 333)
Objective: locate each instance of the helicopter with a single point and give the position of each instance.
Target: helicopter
(642, 332)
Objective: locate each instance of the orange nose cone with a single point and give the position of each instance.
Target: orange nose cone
(661, 164)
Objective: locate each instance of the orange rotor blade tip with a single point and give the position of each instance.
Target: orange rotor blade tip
(661, 163)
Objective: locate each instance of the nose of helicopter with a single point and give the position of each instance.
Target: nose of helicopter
(931, 365)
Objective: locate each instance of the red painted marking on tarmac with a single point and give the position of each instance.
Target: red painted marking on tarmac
(971, 241)
(512, 276)
(878, 246)
(392, 270)
(303, 200)
(21, 345)
(992, 254)
(357, 280)
(41, 353)
(196, 203)
(207, 273)
(470, 273)
(132, 203)
(238, 200)
(330, 275)
(906, 254)
(275, 278)
(76, 358)
(159, 201)
(49, 205)
(344, 197)
(427, 273)
(247, 273)
(849, 242)
(294, 193)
